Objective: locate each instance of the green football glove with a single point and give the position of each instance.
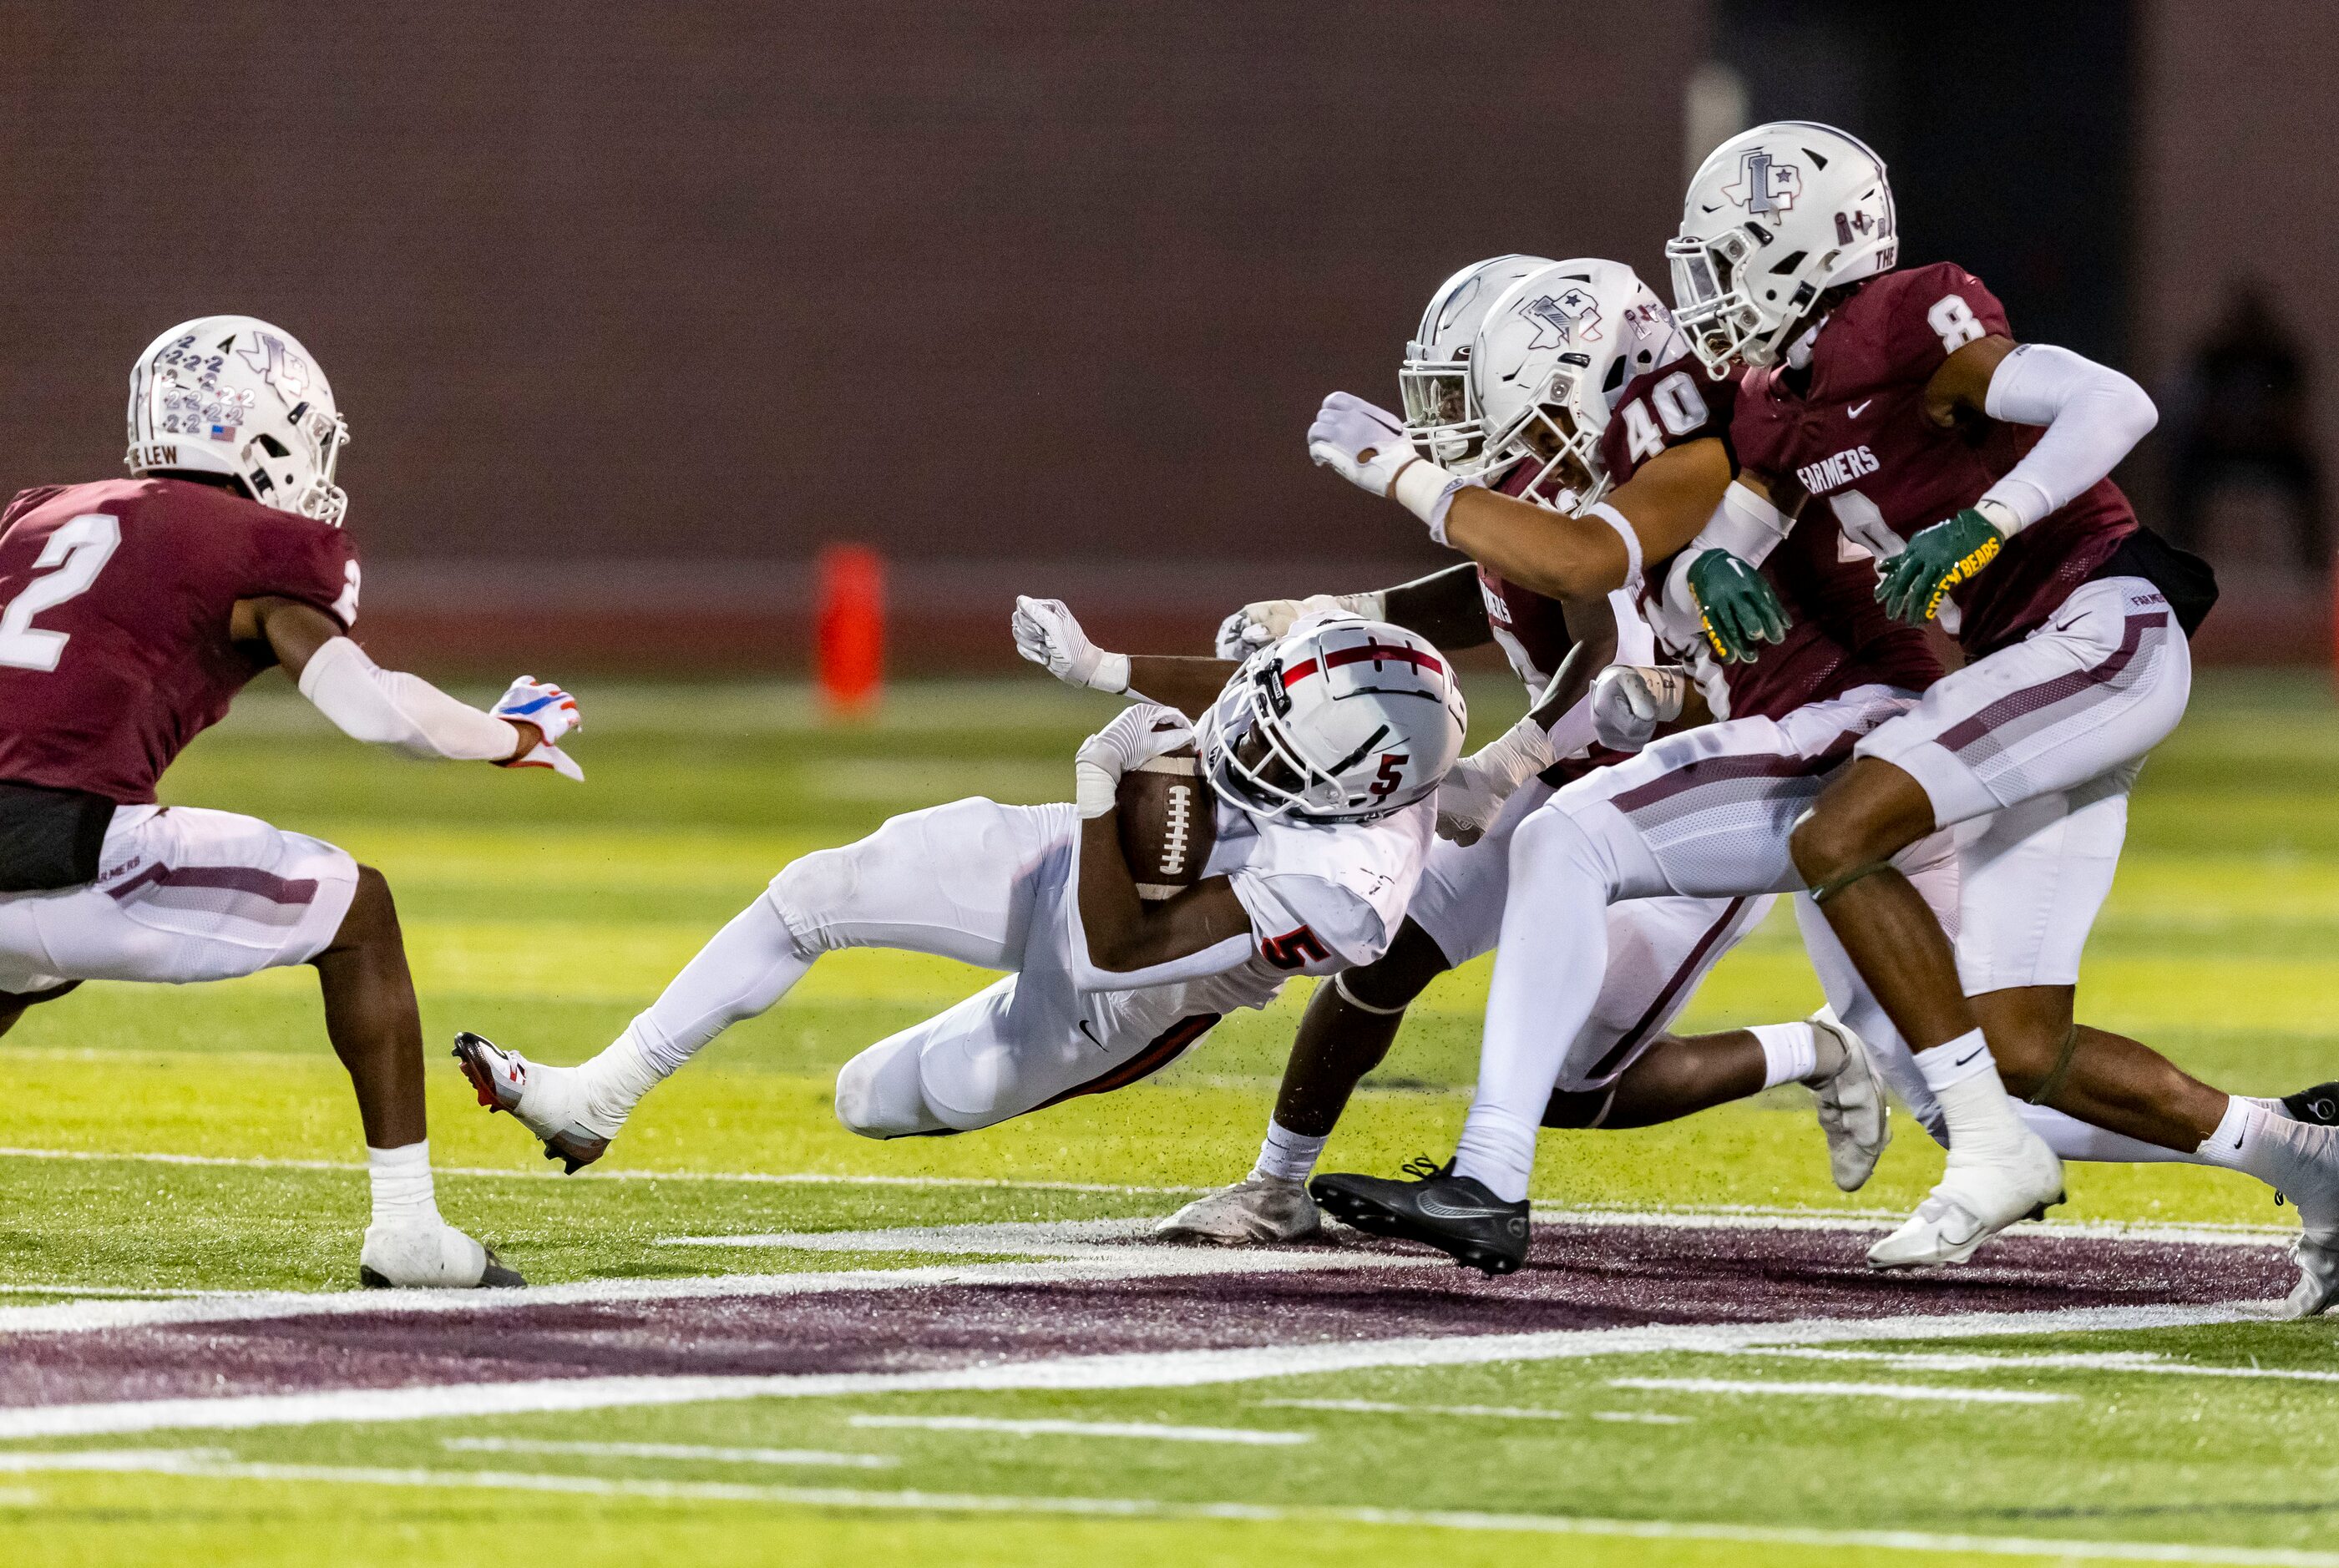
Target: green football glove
(1937, 560)
(1736, 605)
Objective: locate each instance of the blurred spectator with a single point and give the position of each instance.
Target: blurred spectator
(2243, 485)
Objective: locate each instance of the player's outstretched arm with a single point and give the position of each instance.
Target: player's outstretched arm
(1445, 606)
(1127, 939)
(2094, 417)
(389, 708)
(1049, 634)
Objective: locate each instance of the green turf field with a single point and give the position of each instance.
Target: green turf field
(543, 914)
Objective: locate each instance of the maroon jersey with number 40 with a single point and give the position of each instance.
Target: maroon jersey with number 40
(1837, 639)
(113, 638)
(1856, 439)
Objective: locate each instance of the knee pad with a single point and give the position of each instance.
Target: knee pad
(878, 1093)
(813, 891)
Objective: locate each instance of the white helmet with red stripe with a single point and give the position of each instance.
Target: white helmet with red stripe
(1342, 720)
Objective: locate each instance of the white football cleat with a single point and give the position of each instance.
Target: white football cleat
(1256, 1211)
(1851, 1108)
(2317, 1256)
(1978, 1198)
(547, 1100)
(430, 1255)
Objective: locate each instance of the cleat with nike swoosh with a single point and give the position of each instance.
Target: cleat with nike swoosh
(1851, 1109)
(1976, 1198)
(1455, 1214)
(2319, 1105)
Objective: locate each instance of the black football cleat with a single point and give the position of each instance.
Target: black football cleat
(2319, 1105)
(1455, 1214)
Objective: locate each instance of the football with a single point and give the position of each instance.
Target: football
(1166, 828)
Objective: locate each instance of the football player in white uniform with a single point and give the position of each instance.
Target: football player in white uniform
(1521, 402)
(1323, 751)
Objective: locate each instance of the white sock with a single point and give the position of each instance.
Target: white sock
(401, 1185)
(2236, 1145)
(1791, 1052)
(743, 970)
(1976, 1110)
(1286, 1156)
(1547, 974)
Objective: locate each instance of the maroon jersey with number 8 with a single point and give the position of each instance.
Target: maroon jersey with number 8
(1857, 440)
(113, 638)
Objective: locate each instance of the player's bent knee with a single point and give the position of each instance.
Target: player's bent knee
(1391, 981)
(372, 917)
(881, 1093)
(814, 890)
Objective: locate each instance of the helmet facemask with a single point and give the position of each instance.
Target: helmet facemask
(1557, 437)
(1252, 760)
(1725, 325)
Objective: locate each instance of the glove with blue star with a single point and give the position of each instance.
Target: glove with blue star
(1936, 560)
(1736, 606)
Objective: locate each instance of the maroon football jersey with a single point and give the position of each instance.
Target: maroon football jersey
(1529, 628)
(1837, 636)
(113, 643)
(1858, 437)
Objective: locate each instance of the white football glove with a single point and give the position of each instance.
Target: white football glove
(553, 712)
(1471, 795)
(1139, 732)
(1049, 634)
(1630, 701)
(1256, 625)
(1363, 444)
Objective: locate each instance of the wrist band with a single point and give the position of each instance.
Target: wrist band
(1623, 526)
(1426, 490)
(1111, 674)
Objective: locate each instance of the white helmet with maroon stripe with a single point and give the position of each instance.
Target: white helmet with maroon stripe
(232, 395)
(1342, 720)
(1552, 353)
(1441, 407)
(1774, 217)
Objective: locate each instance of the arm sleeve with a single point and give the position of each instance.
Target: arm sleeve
(2094, 417)
(386, 707)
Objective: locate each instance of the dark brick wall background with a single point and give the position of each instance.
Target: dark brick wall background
(692, 282)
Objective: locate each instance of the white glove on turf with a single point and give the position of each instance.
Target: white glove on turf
(1140, 733)
(1264, 621)
(1471, 795)
(1630, 701)
(551, 710)
(1049, 634)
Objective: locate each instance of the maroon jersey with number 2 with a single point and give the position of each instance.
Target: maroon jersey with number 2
(113, 638)
(1856, 440)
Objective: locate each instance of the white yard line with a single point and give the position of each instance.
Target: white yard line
(748, 1178)
(1912, 1392)
(1148, 1430)
(210, 1467)
(1146, 1369)
(2143, 1361)
(1492, 1412)
(694, 1452)
(1043, 1238)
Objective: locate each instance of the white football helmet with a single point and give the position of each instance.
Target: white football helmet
(1441, 409)
(1552, 353)
(234, 395)
(1343, 720)
(1775, 216)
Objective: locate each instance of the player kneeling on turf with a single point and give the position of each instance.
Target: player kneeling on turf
(1320, 755)
(135, 610)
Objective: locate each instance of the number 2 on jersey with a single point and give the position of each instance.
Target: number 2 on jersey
(77, 552)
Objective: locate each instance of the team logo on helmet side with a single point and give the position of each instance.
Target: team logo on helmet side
(277, 366)
(1574, 315)
(1764, 185)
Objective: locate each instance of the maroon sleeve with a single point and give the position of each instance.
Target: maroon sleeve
(1668, 406)
(1935, 311)
(297, 558)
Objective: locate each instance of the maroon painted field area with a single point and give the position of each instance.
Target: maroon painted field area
(1580, 1276)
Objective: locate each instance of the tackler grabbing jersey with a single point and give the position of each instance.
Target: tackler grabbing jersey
(1321, 754)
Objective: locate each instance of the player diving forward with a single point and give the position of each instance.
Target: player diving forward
(1323, 751)
(1518, 391)
(135, 610)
